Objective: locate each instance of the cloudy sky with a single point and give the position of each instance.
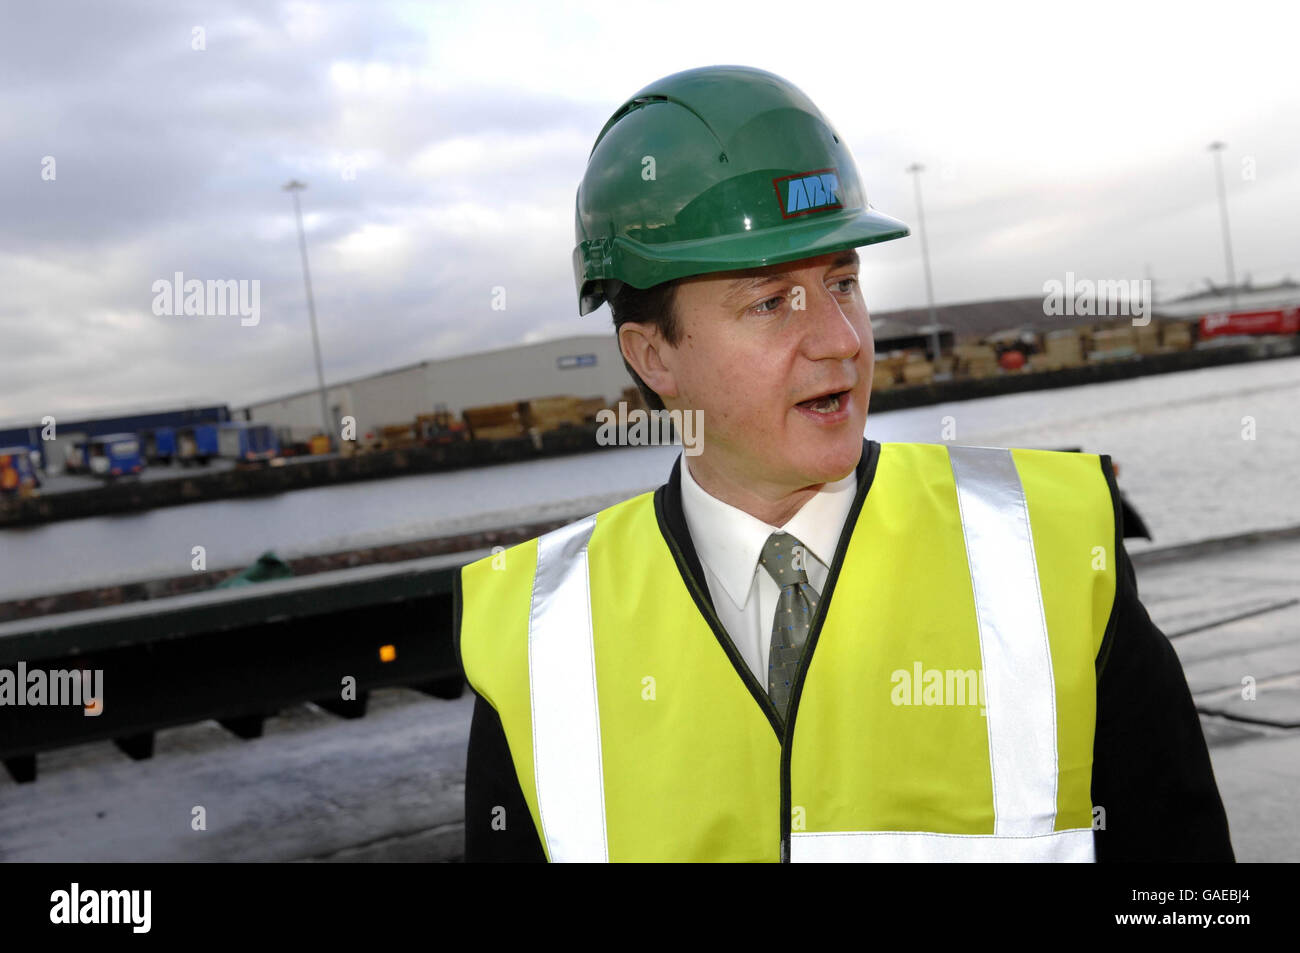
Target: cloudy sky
(442, 145)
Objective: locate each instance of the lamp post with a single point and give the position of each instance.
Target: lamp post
(293, 188)
(916, 169)
(1217, 147)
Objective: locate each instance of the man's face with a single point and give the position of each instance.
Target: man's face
(756, 347)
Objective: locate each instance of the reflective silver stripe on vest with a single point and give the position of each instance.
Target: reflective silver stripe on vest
(567, 762)
(916, 847)
(1019, 685)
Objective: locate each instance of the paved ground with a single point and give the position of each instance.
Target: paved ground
(387, 786)
(390, 786)
(1254, 744)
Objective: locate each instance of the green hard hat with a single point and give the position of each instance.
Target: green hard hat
(715, 169)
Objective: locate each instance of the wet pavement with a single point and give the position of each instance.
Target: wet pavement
(1233, 616)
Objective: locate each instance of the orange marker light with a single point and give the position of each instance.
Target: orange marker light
(387, 653)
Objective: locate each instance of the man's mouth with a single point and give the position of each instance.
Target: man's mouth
(827, 403)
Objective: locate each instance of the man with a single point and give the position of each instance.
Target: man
(807, 645)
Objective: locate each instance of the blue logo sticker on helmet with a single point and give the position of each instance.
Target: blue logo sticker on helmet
(806, 192)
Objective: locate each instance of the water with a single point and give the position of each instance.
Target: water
(1177, 437)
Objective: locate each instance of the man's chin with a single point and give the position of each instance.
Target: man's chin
(831, 462)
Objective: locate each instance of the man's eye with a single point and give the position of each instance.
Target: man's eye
(763, 310)
(851, 280)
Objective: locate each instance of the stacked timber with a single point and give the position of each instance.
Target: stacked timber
(1147, 338)
(632, 397)
(552, 413)
(395, 436)
(1109, 344)
(975, 360)
(589, 407)
(495, 421)
(1062, 348)
(1176, 335)
(917, 370)
(889, 370)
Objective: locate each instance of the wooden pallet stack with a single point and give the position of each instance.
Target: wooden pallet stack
(632, 397)
(1110, 344)
(552, 413)
(1062, 348)
(1148, 338)
(888, 370)
(1176, 335)
(495, 421)
(396, 436)
(916, 369)
(975, 360)
(588, 407)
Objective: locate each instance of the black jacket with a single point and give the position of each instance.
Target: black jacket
(1151, 768)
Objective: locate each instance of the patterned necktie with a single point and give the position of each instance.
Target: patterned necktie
(783, 557)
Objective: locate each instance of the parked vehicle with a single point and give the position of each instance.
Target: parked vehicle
(247, 442)
(160, 445)
(18, 474)
(108, 456)
(197, 443)
(1275, 321)
(440, 427)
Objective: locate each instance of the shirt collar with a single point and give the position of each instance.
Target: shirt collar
(729, 541)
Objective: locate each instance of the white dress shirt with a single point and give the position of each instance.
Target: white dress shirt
(729, 541)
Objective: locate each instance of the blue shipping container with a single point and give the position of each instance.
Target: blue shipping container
(245, 441)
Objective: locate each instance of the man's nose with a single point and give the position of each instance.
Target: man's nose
(828, 330)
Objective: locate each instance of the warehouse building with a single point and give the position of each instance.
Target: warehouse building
(1244, 297)
(582, 366)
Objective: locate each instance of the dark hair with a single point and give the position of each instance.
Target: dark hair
(655, 306)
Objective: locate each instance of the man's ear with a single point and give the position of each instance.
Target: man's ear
(645, 349)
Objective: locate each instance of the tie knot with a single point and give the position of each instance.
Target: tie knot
(784, 557)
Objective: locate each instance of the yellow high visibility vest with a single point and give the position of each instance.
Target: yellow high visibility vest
(944, 708)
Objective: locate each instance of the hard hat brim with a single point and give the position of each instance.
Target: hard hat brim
(643, 266)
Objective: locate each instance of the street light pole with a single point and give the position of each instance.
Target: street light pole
(293, 188)
(1216, 148)
(916, 169)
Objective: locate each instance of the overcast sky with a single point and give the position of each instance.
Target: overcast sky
(443, 143)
